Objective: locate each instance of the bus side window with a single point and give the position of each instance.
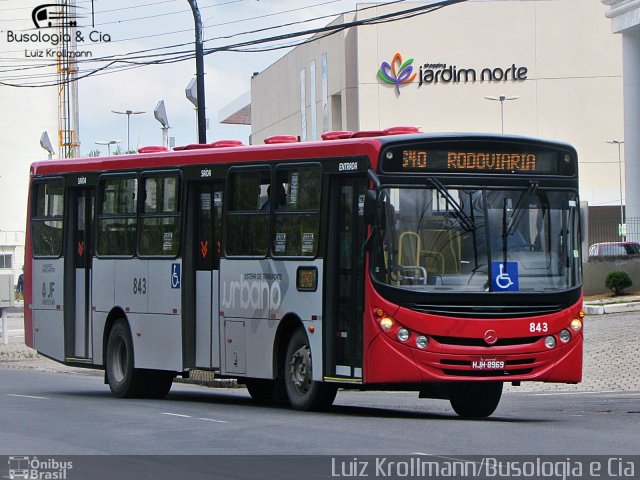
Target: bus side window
(247, 232)
(160, 217)
(117, 221)
(47, 218)
(297, 216)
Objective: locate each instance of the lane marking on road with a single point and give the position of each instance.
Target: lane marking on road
(453, 459)
(27, 396)
(605, 392)
(180, 415)
(443, 457)
(211, 420)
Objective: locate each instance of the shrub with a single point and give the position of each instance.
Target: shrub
(617, 282)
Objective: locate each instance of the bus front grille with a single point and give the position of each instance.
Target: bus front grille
(479, 342)
(485, 311)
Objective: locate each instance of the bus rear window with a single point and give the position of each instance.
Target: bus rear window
(47, 219)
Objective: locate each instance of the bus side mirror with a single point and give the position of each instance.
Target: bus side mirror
(370, 207)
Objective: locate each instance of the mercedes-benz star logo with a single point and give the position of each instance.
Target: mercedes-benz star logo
(491, 337)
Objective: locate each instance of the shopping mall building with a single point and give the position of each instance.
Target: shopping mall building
(557, 60)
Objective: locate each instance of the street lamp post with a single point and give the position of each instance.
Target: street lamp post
(45, 143)
(619, 143)
(108, 143)
(502, 99)
(128, 113)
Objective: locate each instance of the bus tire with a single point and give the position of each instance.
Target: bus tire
(121, 375)
(302, 391)
(476, 400)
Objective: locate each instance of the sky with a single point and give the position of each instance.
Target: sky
(120, 28)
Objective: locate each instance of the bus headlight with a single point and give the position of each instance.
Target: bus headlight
(386, 323)
(403, 335)
(422, 342)
(576, 324)
(550, 341)
(565, 335)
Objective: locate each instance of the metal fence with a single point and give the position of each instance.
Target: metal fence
(611, 230)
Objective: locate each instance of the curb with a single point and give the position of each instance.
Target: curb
(612, 305)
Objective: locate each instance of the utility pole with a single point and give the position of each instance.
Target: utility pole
(202, 122)
(622, 229)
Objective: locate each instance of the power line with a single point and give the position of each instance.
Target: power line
(281, 12)
(179, 56)
(33, 67)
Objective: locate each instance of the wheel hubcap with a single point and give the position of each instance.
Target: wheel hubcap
(300, 370)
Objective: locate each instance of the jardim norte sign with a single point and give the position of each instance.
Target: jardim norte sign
(443, 73)
(401, 73)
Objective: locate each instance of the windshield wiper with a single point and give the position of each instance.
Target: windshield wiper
(466, 221)
(518, 209)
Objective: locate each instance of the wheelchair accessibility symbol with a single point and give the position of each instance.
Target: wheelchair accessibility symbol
(175, 275)
(504, 276)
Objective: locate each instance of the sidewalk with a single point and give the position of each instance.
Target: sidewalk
(611, 355)
(628, 303)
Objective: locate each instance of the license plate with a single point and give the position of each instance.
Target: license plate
(487, 364)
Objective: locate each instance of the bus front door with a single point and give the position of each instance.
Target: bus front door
(201, 298)
(344, 299)
(77, 288)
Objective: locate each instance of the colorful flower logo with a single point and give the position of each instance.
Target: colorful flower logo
(398, 72)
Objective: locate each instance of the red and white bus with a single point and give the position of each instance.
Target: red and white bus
(446, 264)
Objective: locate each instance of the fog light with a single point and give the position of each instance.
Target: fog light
(422, 342)
(386, 323)
(403, 335)
(565, 335)
(576, 325)
(550, 341)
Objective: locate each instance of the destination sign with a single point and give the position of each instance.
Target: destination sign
(491, 159)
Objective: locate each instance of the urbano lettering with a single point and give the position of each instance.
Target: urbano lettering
(255, 294)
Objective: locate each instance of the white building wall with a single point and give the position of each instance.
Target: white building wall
(572, 91)
(625, 20)
(25, 114)
(275, 92)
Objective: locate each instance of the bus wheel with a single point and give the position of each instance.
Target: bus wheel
(119, 362)
(302, 391)
(475, 399)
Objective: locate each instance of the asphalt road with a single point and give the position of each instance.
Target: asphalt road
(64, 414)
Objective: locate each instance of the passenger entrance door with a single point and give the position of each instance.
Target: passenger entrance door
(78, 262)
(345, 277)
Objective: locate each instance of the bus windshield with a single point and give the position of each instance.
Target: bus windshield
(469, 239)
